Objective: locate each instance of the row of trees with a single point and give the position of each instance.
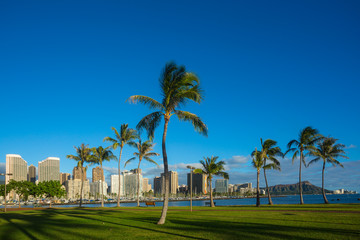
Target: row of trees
(85, 155)
(24, 189)
(310, 143)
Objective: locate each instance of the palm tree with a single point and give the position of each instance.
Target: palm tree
(210, 168)
(101, 154)
(308, 137)
(178, 87)
(328, 151)
(144, 152)
(269, 152)
(83, 155)
(126, 136)
(258, 163)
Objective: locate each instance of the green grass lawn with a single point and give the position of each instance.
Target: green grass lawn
(239, 222)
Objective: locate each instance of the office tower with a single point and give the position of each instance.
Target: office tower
(64, 177)
(32, 174)
(131, 183)
(95, 188)
(73, 189)
(98, 174)
(77, 173)
(199, 183)
(17, 167)
(114, 182)
(49, 169)
(158, 187)
(173, 182)
(222, 185)
(146, 185)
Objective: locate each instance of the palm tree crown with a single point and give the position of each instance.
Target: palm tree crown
(178, 87)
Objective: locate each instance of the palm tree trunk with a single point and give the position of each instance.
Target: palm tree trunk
(211, 195)
(19, 201)
(300, 187)
(102, 187)
(258, 189)
(267, 189)
(323, 183)
(166, 170)
(82, 184)
(119, 188)
(50, 202)
(138, 185)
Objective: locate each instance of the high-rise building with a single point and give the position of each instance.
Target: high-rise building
(222, 185)
(131, 183)
(64, 177)
(146, 185)
(49, 169)
(77, 173)
(158, 187)
(95, 188)
(17, 167)
(173, 182)
(97, 174)
(114, 182)
(73, 189)
(135, 171)
(199, 183)
(32, 174)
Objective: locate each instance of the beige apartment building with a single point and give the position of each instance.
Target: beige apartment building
(17, 167)
(49, 169)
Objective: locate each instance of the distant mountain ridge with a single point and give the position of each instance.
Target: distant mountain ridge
(288, 189)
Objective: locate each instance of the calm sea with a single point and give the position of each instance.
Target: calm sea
(293, 199)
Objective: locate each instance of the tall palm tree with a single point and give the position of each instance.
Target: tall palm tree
(126, 136)
(328, 151)
(270, 152)
(258, 163)
(210, 168)
(307, 138)
(178, 87)
(100, 155)
(144, 152)
(83, 155)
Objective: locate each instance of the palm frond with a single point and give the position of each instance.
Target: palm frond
(151, 103)
(194, 120)
(129, 161)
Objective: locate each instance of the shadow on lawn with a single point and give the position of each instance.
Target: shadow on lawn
(41, 224)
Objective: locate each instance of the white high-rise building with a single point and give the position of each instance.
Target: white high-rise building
(49, 169)
(131, 184)
(73, 189)
(114, 181)
(17, 167)
(95, 188)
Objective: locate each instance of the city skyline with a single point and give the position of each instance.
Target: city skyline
(267, 70)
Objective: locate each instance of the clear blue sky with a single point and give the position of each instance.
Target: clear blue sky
(268, 69)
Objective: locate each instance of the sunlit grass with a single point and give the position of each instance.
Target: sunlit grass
(241, 222)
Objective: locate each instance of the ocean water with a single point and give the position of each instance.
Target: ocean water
(291, 199)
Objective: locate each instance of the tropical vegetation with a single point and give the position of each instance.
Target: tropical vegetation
(83, 155)
(125, 136)
(100, 155)
(144, 151)
(178, 87)
(258, 163)
(210, 167)
(301, 148)
(328, 151)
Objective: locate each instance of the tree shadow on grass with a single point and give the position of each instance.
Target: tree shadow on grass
(144, 228)
(41, 224)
